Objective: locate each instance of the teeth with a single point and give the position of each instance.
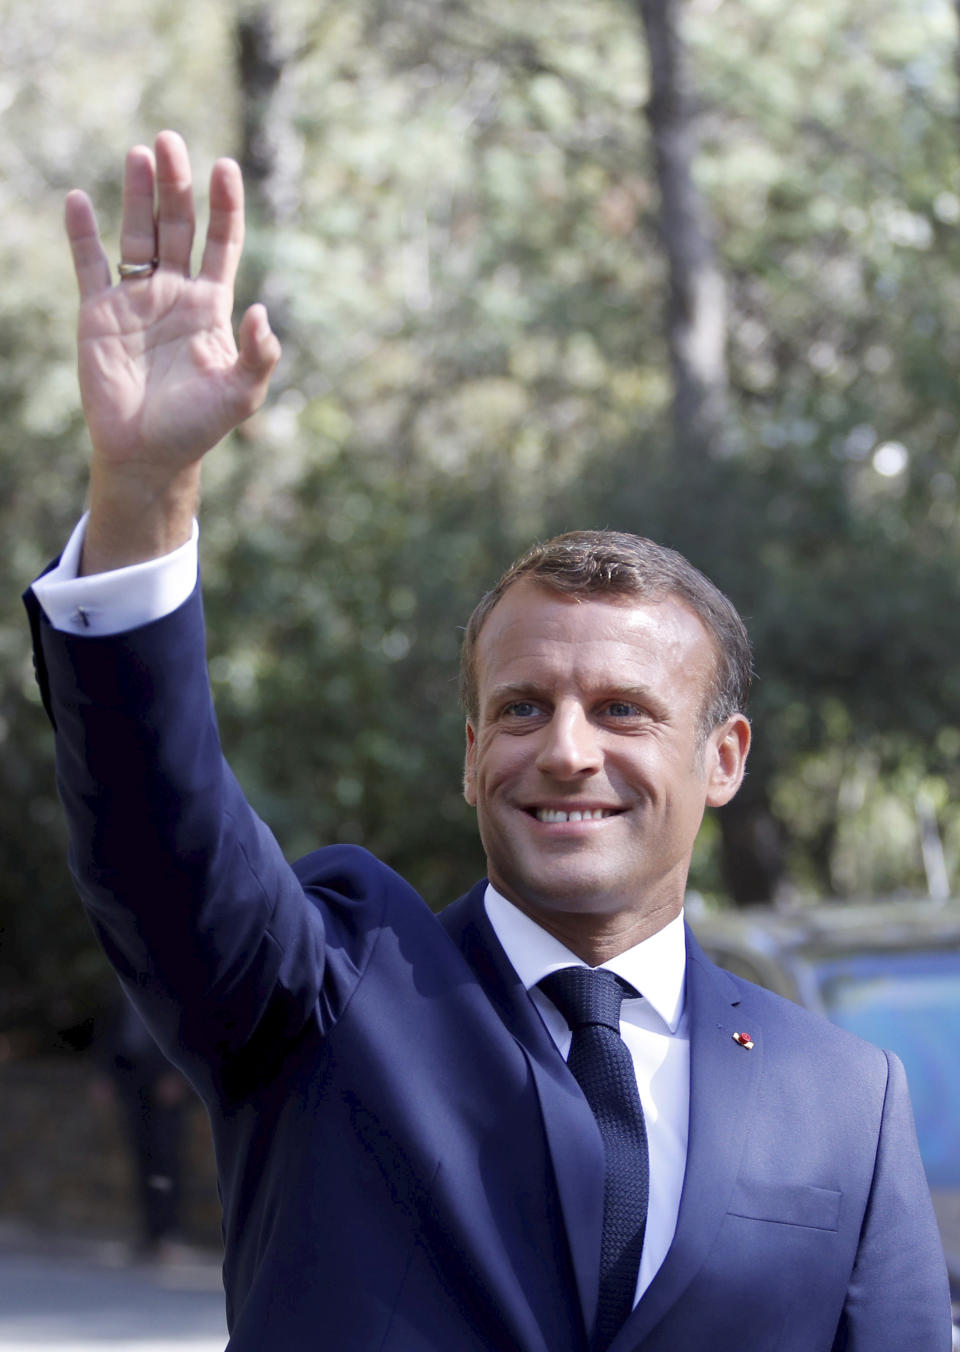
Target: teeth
(552, 814)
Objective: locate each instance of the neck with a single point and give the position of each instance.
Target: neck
(597, 938)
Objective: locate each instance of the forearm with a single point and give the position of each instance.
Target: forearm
(187, 889)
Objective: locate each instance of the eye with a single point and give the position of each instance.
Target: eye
(521, 708)
(622, 708)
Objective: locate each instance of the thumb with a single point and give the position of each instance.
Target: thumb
(258, 354)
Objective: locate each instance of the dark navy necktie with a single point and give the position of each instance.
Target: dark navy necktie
(589, 999)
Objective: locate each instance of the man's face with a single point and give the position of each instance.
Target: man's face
(586, 764)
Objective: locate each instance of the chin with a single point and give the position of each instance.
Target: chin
(569, 899)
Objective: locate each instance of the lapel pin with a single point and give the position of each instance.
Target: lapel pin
(744, 1040)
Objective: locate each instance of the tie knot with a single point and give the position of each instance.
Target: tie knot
(587, 995)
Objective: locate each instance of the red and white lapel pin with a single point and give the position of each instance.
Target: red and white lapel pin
(743, 1040)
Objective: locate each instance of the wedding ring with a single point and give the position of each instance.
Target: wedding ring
(127, 270)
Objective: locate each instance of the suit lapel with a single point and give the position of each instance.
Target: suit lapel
(576, 1149)
(723, 1081)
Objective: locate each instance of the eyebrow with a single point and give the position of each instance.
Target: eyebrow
(514, 688)
(518, 690)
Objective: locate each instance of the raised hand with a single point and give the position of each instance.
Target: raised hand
(162, 378)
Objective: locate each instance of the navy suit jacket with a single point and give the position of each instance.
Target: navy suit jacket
(405, 1162)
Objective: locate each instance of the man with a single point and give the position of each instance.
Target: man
(151, 1099)
(406, 1160)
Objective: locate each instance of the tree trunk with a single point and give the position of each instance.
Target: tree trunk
(752, 846)
(696, 311)
(696, 322)
(270, 154)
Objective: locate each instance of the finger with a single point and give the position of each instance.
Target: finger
(138, 243)
(221, 254)
(259, 352)
(89, 260)
(175, 214)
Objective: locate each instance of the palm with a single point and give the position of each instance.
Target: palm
(157, 369)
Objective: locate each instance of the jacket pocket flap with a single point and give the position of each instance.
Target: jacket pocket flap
(787, 1203)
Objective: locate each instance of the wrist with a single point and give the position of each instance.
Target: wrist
(135, 516)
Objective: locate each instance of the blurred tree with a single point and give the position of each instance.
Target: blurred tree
(697, 336)
(71, 93)
(696, 312)
(458, 220)
(836, 519)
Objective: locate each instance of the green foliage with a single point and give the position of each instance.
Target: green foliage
(456, 236)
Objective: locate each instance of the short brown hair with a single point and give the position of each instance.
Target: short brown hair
(598, 562)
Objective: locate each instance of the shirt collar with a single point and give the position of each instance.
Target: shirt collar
(656, 966)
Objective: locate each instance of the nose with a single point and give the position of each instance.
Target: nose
(570, 745)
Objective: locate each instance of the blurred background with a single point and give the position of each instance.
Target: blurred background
(689, 270)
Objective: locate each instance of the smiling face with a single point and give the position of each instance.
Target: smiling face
(586, 761)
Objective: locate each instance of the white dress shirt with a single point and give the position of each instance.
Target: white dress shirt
(654, 1027)
(655, 1031)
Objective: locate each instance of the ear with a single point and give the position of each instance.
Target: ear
(726, 759)
(470, 766)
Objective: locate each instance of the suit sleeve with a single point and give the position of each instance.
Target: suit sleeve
(898, 1295)
(208, 927)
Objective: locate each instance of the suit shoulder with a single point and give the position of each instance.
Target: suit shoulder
(794, 1023)
(350, 881)
(349, 868)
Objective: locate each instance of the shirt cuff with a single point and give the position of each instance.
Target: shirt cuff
(101, 604)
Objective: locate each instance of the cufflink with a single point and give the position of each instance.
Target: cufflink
(743, 1040)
